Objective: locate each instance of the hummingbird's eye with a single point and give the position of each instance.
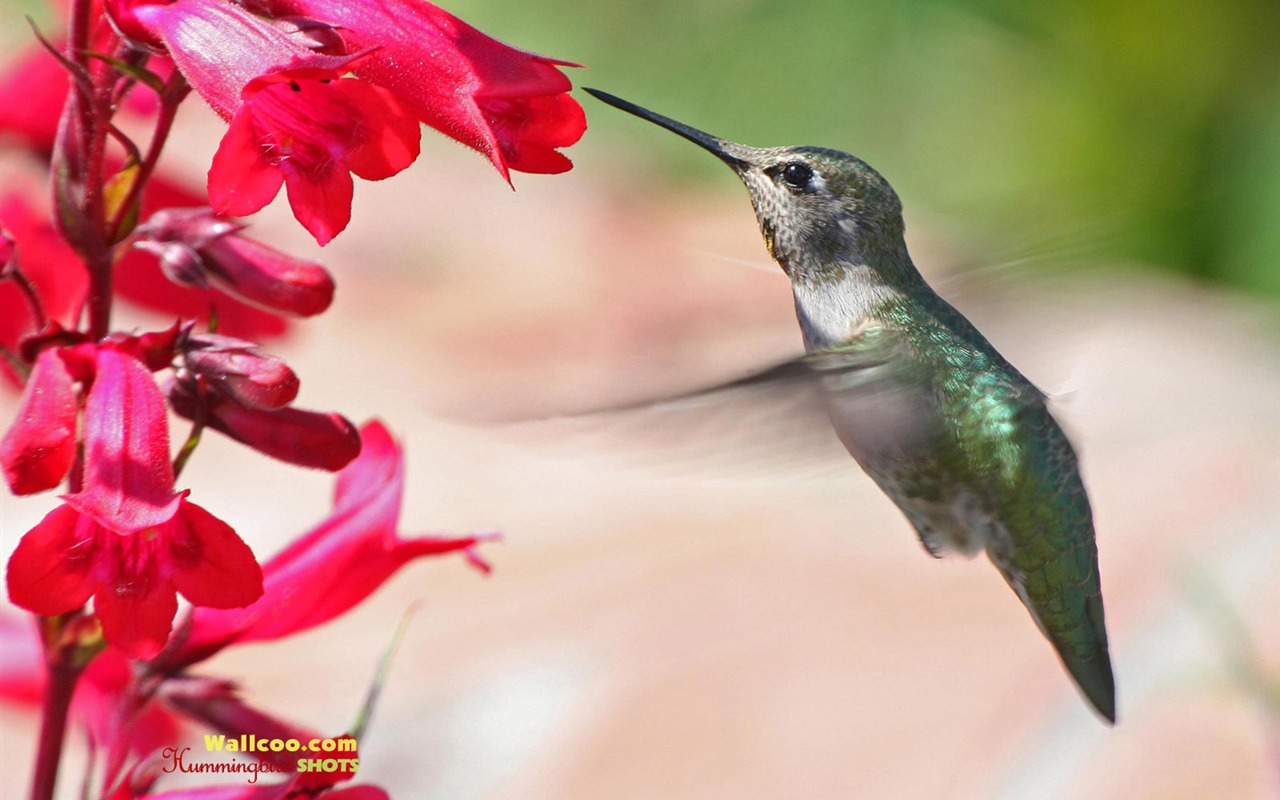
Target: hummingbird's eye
(797, 175)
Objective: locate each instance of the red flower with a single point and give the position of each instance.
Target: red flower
(510, 105)
(127, 539)
(336, 565)
(310, 130)
(38, 448)
(294, 120)
(31, 94)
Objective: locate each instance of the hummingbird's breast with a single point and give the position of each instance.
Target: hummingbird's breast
(831, 311)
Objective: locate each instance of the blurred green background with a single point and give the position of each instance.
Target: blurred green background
(1060, 133)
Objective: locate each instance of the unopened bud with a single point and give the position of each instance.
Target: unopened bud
(195, 245)
(234, 368)
(306, 438)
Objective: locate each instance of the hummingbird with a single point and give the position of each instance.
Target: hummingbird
(950, 431)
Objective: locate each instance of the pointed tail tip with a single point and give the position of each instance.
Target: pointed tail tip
(1097, 683)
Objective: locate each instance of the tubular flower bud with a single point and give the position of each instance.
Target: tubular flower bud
(306, 438)
(198, 248)
(236, 370)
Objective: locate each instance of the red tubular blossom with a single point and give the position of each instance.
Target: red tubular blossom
(334, 566)
(40, 445)
(511, 105)
(310, 130)
(220, 47)
(295, 121)
(197, 248)
(127, 539)
(306, 438)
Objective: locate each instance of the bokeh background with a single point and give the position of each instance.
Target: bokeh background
(1097, 185)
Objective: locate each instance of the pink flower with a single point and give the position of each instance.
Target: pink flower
(38, 448)
(127, 539)
(510, 105)
(333, 567)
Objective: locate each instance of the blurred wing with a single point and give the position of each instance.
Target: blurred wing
(772, 421)
(878, 395)
(790, 418)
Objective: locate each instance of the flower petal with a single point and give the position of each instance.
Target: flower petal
(321, 201)
(241, 181)
(220, 47)
(49, 572)
(213, 566)
(128, 481)
(333, 567)
(138, 622)
(445, 71)
(390, 139)
(40, 445)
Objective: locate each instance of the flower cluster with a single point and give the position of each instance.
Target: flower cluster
(132, 582)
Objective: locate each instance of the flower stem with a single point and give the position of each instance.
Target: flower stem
(53, 723)
(29, 293)
(175, 90)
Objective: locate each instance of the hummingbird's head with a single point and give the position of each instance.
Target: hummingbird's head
(821, 211)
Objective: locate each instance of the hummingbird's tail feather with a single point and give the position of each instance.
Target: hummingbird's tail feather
(1080, 640)
(1094, 677)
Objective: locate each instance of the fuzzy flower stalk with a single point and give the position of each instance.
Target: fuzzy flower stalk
(130, 581)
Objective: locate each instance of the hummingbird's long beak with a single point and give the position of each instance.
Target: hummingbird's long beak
(724, 150)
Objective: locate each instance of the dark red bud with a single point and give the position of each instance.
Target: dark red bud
(306, 438)
(234, 369)
(269, 278)
(196, 247)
